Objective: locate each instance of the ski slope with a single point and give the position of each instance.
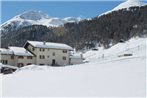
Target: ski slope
(112, 76)
(135, 46)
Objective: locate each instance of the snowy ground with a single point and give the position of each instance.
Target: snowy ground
(111, 76)
(0, 86)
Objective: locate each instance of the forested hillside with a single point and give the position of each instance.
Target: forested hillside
(105, 30)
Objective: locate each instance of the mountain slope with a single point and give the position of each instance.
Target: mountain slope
(35, 18)
(135, 46)
(127, 4)
(106, 30)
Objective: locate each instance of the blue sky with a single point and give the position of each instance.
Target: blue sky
(84, 9)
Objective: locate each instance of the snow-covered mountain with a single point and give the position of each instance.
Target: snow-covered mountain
(35, 18)
(127, 4)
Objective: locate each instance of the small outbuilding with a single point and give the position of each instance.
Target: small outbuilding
(76, 59)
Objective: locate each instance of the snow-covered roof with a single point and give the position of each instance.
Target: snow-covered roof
(19, 51)
(5, 51)
(50, 45)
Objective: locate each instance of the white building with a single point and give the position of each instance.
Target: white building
(76, 58)
(16, 56)
(48, 53)
(22, 57)
(6, 56)
(40, 53)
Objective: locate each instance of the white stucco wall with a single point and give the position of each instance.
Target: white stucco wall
(49, 57)
(8, 58)
(25, 60)
(16, 60)
(48, 53)
(76, 61)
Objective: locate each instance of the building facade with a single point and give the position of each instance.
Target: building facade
(39, 53)
(6, 56)
(16, 56)
(49, 53)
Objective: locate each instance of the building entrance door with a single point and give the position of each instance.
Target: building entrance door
(53, 62)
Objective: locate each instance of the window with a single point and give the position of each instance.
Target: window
(41, 49)
(64, 51)
(29, 57)
(12, 57)
(42, 57)
(53, 53)
(64, 58)
(33, 49)
(29, 63)
(41, 64)
(20, 57)
(4, 62)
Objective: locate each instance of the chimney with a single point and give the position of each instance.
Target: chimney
(44, 42)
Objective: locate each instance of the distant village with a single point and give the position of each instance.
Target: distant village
(40, 53)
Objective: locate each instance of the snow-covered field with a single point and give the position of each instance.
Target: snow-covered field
(0, 85)
(108, 76)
